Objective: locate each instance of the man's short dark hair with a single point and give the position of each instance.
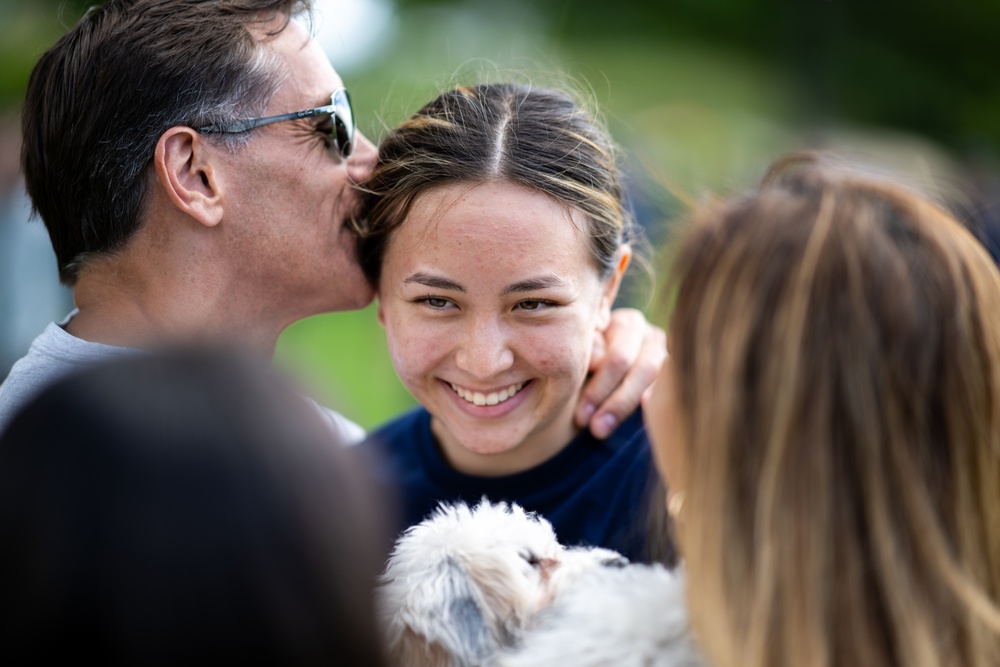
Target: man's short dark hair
(99, 100)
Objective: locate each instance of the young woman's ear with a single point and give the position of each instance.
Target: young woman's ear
(611, 286)
(185, 171)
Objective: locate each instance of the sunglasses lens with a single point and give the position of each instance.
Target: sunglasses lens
(343, 122)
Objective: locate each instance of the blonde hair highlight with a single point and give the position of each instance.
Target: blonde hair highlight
(836, 352)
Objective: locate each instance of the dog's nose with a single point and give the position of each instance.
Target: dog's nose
(547, 566)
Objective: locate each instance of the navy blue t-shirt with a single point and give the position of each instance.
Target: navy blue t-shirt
(593, 492)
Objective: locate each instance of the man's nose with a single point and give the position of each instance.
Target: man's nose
(362, 161)
(485, 353)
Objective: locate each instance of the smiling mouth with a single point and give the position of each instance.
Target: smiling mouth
(493, 398)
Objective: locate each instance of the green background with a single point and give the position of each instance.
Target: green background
(701, 94)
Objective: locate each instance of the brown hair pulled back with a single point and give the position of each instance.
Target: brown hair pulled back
(536, 137)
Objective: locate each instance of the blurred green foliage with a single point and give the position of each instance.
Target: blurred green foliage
(342, 362)
(26, 30)
(915, 65)
(921, 66)
(701, 94)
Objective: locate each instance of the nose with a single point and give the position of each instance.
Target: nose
(548, 566)
(485, 351)
(362, 162)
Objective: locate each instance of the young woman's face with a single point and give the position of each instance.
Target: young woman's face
(491, 304)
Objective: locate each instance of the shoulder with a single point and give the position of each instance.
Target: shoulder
(52, 355)
(631, 430)
(403, 443)
(620, 469)
(629, 440)
(346, 431)
(402, 429)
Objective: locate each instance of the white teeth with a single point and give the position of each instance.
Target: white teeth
(494, 398)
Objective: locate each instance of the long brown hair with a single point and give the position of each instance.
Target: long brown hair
(835, 345)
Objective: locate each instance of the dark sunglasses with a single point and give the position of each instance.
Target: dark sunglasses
(341, 129)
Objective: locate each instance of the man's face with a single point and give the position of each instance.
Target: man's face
(290, 195)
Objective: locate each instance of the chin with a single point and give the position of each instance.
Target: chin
(356, 293)
(483, 443)
(363, 298)
(486, 444)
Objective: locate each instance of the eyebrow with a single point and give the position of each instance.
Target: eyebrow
(436, 282)
(533, 284)
(520, 287)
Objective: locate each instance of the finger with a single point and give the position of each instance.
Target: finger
(614, 354)
(640, 376)
(585, 407)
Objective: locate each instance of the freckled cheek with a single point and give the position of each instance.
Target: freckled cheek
(559, 354)
(415, 350)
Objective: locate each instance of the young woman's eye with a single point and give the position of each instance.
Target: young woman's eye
(435, 302)
(533, 304)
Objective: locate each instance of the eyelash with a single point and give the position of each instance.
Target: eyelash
(540, 304)
(427, 300)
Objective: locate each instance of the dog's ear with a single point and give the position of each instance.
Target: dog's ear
(446, 608)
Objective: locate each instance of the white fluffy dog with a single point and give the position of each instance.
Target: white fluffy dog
(465, 583)
(630, 617)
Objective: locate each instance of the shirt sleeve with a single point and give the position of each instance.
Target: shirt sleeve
(347, 431)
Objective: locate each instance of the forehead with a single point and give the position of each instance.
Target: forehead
(309, 78)
(500, 220)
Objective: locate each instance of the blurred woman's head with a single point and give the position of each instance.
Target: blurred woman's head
(497, 242)
(830, 415)
(186, 506)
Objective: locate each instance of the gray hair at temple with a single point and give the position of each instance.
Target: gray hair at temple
(101, 97)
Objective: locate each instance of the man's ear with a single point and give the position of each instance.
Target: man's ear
(613, 282)
(186, 173)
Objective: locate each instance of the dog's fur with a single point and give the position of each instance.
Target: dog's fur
(630, 617)
(465, 583)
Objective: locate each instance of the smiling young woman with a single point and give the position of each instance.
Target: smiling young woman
(497, 243)
(487, 291)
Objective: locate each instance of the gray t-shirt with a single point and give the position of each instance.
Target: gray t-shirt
(55, 353)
